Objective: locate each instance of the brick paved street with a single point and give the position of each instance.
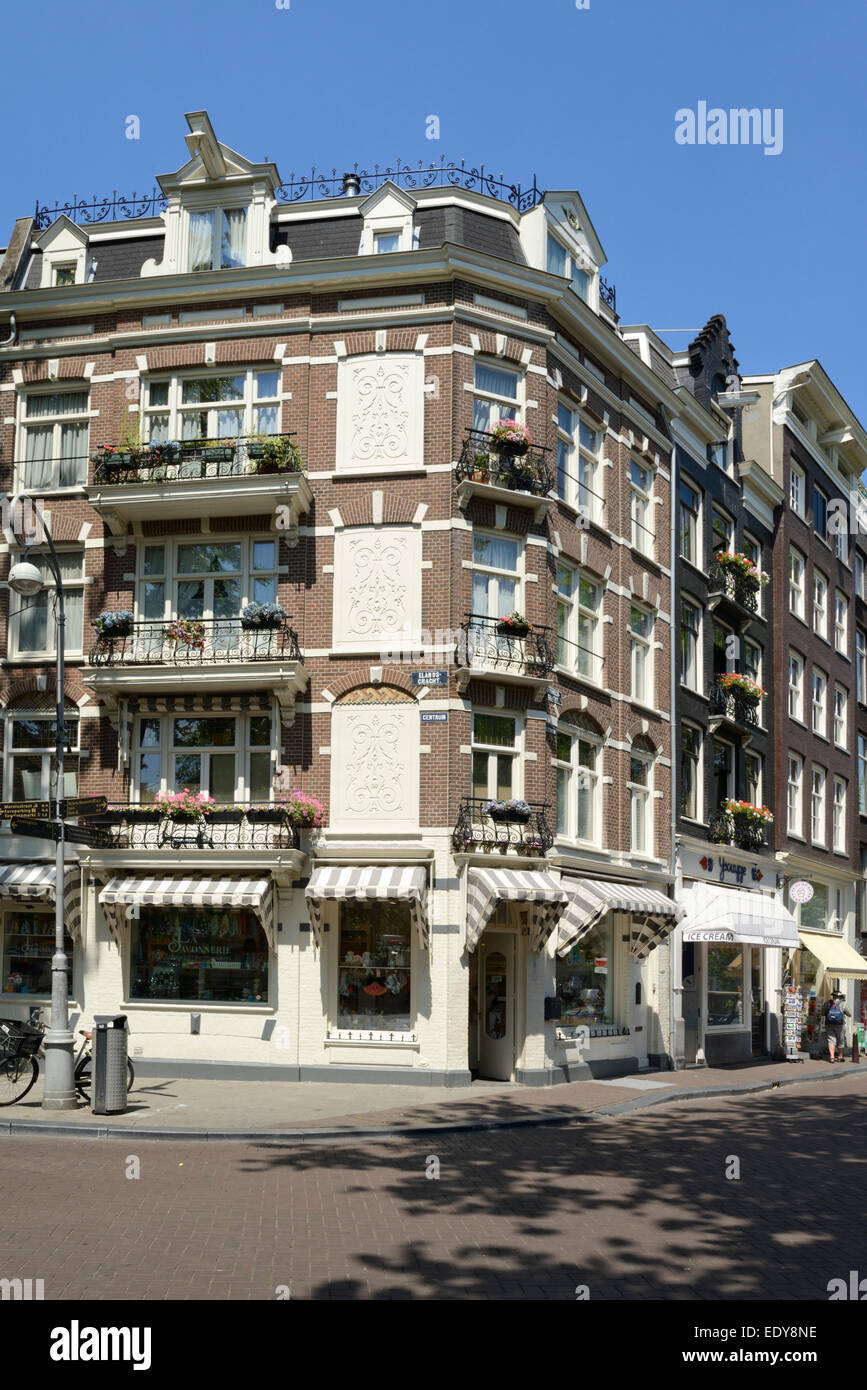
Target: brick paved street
(635, 1206)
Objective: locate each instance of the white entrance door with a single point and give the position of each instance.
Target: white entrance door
(640, 1014)
(497, 1006)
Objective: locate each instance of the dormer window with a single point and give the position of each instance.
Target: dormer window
(563, 262)
(218, 239)
(385, 242)
(64, 274)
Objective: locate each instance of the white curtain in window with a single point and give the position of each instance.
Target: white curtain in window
(32, 622)
(73, 455)
(234, 242)
(38, 460)
(71, 568)
(201, 240)
(31, 785)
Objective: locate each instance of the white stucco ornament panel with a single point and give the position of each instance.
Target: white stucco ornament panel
(374, 767)
(377, 587)
(380, 411)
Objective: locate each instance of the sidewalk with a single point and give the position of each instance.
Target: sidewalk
(292, 1112)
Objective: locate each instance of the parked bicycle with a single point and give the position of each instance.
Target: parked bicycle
(21, 1045)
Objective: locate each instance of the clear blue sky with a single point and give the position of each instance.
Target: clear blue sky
(583, 98)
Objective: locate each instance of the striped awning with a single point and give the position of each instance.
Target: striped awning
(653, 914)
(35, 883)
(725, 915)
(254, 893)
(402, 882)
(541, 893)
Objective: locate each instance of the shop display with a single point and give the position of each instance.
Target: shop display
(197, 954)
(28, 945)
(584, 981)
(373, 986)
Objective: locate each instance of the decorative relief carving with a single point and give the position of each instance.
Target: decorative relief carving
(380, 415)
(380, 410)
(374, 770)
(376, 592)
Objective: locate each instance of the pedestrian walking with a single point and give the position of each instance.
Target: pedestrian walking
(836, 1014)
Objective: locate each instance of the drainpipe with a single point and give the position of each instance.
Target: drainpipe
(13, 336)
(672, 608)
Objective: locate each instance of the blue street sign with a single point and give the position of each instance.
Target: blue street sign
(434, 717)
(430, 677)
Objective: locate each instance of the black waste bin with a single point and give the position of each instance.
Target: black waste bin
(108, 1068)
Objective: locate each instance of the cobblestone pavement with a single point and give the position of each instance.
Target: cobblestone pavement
(635, 1206)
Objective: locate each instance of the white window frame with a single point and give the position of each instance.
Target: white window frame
(646, 695)
(71, 767)
(760, 780)
(217, 213)
(797, 576)
(176, 410)
(819, 700)
(577, 776)
(494, 573)
(795, 795)
(796, 686)
(862, 775)
(585, 660)
(576, 263)
(860, 574)
(56, 422)
(582, 490)
(641, 800)
(47, 596)
(242, 749)
(838, 814)
(841, 622)
(861, 665)
(171, 577)
(818, 807)
(513, 407)
(495, 750)
(642, 532)
(820, 604)
(841, 715)
(797, 487)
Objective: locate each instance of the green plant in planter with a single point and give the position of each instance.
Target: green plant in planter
(273, 453)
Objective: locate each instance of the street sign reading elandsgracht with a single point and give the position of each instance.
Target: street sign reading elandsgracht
(47, 810)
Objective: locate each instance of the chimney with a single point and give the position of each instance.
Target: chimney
(351, 185)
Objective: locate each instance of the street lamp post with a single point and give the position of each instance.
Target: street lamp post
(59, 1092)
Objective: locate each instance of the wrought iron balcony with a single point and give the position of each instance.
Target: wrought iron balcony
(741, 831)
(485, 647)
(733, 705)
(195, 642)
(728, 582)
(476, 831)
(247, 826)
(482, 463)
(197, 460)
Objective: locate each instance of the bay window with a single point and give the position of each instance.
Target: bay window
(54, 433)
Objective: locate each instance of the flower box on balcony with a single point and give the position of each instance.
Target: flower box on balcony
(258, 616)
(507, 437)
(273, 815)
(736, 683)
(218, 453)
(143, 814)
(227, 815)
(508, 812)
(514, 626)
(746, 811)
(109, 625)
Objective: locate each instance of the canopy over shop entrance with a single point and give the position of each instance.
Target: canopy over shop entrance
(406, 884)
(35, 883)
(538, 891)
(653, 913)
(725, 915)
(254, 893)
(840, 959)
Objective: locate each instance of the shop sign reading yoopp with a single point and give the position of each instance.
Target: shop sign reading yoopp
(718, 868)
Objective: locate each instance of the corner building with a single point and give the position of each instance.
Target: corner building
(261, 423)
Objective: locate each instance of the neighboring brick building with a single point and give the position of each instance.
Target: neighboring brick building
(803, 434)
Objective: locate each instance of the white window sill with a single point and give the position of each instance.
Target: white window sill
(195, 1006)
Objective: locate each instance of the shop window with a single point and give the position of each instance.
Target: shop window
(198, 954)
(726, 978)
(374, 981)
(28, 945)
(584, 980)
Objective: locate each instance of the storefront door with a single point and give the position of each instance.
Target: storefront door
(757, 1002)
(497, 1006)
